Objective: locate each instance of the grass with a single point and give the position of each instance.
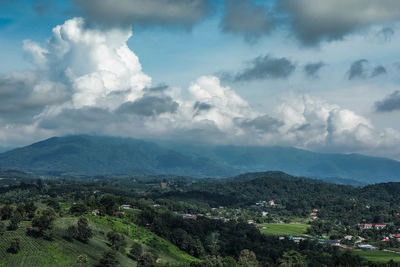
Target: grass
(377, 256)
(61, 252)
(163, 248)
(284, 229)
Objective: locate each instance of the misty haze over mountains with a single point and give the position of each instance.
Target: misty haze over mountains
(99, 155)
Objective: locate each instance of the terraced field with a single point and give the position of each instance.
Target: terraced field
(61, 252)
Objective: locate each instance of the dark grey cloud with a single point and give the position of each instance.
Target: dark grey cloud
(312, 69)
(265, 67)
(390, 103)
(145, 12)
(246, 18)
(149, 106)
(378, 70)
(357, 69)
(22, 96)
(198, 107)
(361, 69)
(315, 20)
(87, 119)
(263, 123)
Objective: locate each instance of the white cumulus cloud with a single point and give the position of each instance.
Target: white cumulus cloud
(89, 81)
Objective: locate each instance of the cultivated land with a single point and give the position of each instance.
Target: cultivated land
(284, 229)
(378, 256)
(61, 252)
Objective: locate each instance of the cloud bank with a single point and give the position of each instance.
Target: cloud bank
(262, 68)
(246, 18)
(145, 12)
(390, 103)
(314, 20)
(88, 81)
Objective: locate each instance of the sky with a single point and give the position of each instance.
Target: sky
(317, 75)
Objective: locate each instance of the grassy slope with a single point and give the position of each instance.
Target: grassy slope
(284, 229)
(60, 252)
(378, 255)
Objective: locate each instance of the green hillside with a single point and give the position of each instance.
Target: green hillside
(62, 252)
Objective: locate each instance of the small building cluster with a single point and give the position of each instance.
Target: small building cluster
(266, 203)
(365, 226)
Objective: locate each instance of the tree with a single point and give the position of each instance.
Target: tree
(2, 228)
(248, 258)
(146, 260)
(136, 251)
(212, 243)
(117, 240)
(72, 232)
(6, 212)
(82, 261)
(214, 261)
(79, 208)
(43, 222)
(84, 232)
(14, 245)
(15, 221)
(81, 231)
(229, 262)
(109, 259)
(293, 258)
(30, 209)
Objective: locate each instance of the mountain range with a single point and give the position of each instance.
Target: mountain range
(100, 155)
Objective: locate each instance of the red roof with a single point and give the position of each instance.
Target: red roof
(397, 236)
(385, 240)
(380, 225)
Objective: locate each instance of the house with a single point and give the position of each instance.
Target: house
(367, 246)
(126, 206)
(380, 226)
(250, 221)
(189, 216)
(364, 226)
(385, 239)
(397, 236)
(264, 213)
(314, 217)
(164, 185)
(271, 203)
(334, 243)
(95, 212)
(315, 210)
(348, 237)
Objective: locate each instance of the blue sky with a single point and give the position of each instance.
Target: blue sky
(318, 76)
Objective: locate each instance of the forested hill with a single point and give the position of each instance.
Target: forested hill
(95, 155)
(294, 196)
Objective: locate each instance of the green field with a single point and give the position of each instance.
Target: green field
(284, 229)
(61, 252)
(378, 256)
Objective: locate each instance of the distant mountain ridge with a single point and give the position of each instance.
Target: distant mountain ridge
(99, 155)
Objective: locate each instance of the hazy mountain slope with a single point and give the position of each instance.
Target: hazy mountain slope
(108, 155)
(104, 155)
(336, 167)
